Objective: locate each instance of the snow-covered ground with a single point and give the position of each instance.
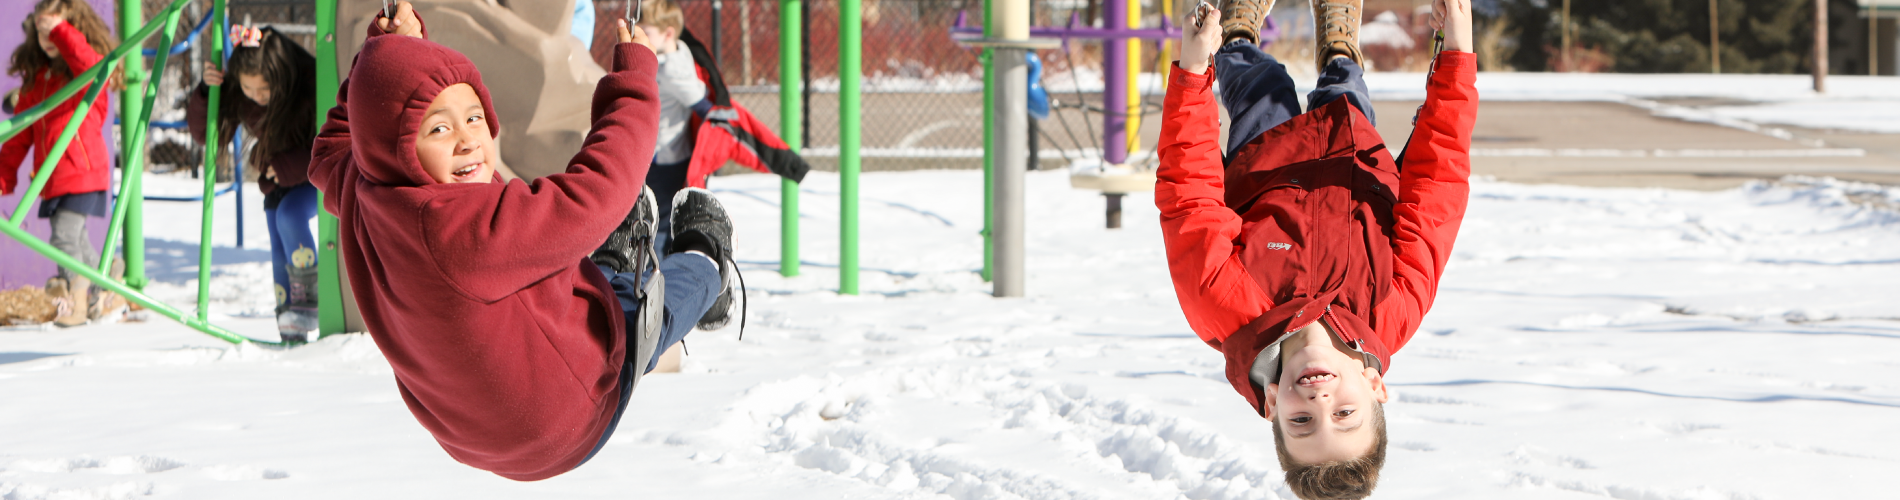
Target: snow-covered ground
(1587, 343)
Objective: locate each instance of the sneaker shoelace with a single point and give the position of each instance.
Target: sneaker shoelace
(1339, 18)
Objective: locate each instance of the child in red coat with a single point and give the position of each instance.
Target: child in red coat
(1306, 254)
(63, 39)
(515, 334)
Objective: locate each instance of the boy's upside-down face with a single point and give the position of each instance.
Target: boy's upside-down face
(453, 143)
(1324, 402)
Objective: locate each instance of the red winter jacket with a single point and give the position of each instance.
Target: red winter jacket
(1312, 221)
(724, 131)
(507, 343)
(86, 167)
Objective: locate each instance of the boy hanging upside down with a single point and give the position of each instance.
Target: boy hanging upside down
(1305, 253)
(515, 333)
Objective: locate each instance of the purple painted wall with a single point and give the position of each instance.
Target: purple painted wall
(18, 265)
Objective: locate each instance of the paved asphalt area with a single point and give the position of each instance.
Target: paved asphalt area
(1570, 142)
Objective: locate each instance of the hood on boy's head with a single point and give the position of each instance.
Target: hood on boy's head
(394, 81)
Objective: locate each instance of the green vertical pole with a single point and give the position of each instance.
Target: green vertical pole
(135, 232)
(850, 71)
(989, 141)
(135, 126)
(790, 32)
(131, 17)
(216, 42)
(330, 317)
(131, 102)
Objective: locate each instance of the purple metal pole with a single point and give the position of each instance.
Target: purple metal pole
(1114, 83)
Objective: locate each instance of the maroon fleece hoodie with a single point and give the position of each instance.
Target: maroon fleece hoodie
(506, 341)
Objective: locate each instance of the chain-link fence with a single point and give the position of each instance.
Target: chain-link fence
(922, 91)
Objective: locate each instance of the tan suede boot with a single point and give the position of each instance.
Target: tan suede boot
(104, 302)
(69, 296)
(1240, 19)
(1336, 24)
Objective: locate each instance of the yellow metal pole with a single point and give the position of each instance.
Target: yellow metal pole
(1134, 78)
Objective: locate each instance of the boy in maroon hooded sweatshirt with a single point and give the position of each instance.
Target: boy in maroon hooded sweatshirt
(515, 334)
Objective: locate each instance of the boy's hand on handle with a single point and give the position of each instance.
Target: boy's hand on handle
(46, 22)
(1453, 18)
(404, 24)
(1199, 43)
(213, 76)
(630, 35)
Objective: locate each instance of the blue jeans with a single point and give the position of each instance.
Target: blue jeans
(666, 180)
(1259, 95)
(289, 226)
(692, 283)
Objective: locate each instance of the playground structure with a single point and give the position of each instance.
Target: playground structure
(514, 47)
(546, 128)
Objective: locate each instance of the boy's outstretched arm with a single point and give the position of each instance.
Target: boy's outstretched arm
(524, 232)
(1216, 293)
(330, 153)
(1434, 181)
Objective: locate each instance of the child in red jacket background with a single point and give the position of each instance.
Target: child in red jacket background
(64, 38)
(1306, 254)
(515, 334)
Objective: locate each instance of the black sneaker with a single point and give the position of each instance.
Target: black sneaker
(700, 223)
(618, 252)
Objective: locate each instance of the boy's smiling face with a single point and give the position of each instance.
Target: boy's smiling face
(453, 143)
(1324, 401)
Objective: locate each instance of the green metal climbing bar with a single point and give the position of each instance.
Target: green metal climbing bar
(127, 214)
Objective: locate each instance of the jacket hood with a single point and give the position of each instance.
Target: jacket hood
(392, 84)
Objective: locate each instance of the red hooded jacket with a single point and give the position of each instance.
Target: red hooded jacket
(86, 167)
(1313, 220)
(507, 343)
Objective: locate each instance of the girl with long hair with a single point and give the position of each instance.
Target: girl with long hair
(273, 95)
(64, 38)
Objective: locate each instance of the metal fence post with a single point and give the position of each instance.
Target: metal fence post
(850, 72)
(790, 77)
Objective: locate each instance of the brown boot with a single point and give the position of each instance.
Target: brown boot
(1336, 24)
(70, 298)
(104, 302)
(1240, 19)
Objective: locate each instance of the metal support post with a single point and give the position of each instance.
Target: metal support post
(1011, 125)
(790, 122)
(1820, 46)
(1114, 210)
(988, 60)
(135, 127)
(332, 309)
(850, 73)
(1132, 129)
(210, 173)
(1115, 85)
